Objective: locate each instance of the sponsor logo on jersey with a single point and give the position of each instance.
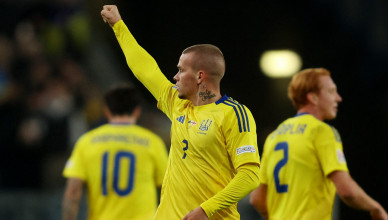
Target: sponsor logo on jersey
(246, 149)
(181, 119)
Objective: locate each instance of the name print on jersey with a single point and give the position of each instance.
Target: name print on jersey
(289, 129)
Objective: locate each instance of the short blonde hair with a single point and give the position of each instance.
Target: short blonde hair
(207, 57)
(304, 82)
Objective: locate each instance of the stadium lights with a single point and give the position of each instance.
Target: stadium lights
(280, 63)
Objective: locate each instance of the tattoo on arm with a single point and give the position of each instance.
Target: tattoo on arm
(206, 95)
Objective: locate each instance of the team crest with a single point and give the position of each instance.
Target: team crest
(205, 125)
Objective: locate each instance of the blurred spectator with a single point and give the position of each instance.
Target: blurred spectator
(44, 92)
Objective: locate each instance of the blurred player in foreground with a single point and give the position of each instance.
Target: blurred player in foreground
(120, 163)
(303, 164)
(213, 160)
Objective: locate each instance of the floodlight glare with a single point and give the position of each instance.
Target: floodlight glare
(280, 63)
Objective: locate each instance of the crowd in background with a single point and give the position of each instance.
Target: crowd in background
(47, 97)
(52, 78)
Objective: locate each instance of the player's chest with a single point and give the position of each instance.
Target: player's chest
(197, 135)
(197, 126)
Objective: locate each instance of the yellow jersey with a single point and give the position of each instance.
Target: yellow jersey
(209, 143)
(121, 165)
(297, 159)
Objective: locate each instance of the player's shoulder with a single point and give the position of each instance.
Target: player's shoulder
(230, 105)
(97, 130)
(145, 132)
(87, 136)
(308, 119)
(323, 128)
(236, 114)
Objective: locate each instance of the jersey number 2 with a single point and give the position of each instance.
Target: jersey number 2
(116, 172)
(279, 187)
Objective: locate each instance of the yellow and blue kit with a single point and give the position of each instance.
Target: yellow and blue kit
(297, 159)
(213, 159)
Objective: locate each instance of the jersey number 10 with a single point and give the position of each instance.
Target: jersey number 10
(116, 172)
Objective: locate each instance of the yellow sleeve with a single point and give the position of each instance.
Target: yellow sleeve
(75, 165)
(241, 137)
(246, 180)
(329, 150)
(263, 163)
(142, 64)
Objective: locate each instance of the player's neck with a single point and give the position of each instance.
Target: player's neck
(206, 96)
(311, 110)
(122, 119)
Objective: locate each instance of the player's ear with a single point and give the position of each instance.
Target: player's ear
(201, 77)
(137, 112)
(312, 98)
(107, 112)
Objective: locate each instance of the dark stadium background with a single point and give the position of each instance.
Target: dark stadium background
(350, 38)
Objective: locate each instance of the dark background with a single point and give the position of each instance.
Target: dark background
(350, 38)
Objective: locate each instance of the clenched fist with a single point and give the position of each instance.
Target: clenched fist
(110, 14)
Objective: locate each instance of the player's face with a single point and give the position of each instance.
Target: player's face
(328, 98)
(186, 78)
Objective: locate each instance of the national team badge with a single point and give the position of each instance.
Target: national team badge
(205, 125)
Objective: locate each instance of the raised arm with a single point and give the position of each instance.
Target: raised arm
(354, 196)
(142, 64)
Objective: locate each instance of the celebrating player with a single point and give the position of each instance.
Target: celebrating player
(213, 161)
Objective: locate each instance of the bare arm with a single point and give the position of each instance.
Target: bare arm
(72, 197)
(258, 200)
(354, 196)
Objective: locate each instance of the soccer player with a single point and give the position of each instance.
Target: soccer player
(213, 160)
(303, 164)
(120, 163)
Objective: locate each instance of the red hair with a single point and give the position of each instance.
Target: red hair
(304, 82)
